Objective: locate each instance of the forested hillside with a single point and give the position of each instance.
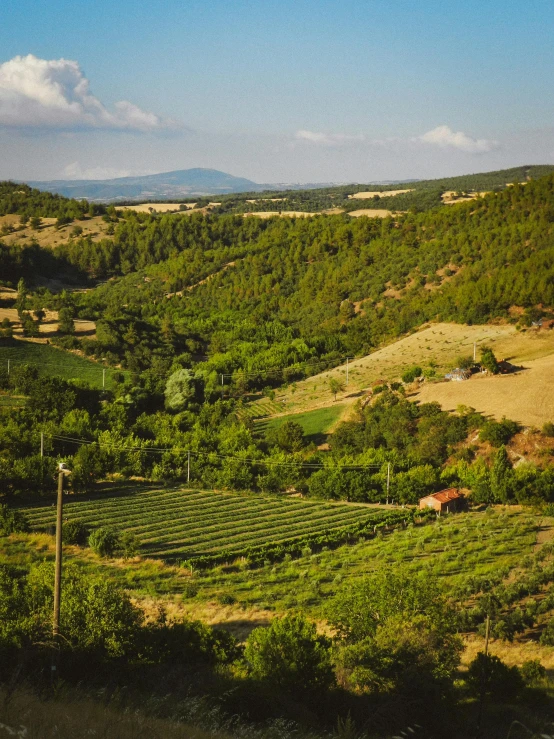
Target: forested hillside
(201, 310)
(194, 315)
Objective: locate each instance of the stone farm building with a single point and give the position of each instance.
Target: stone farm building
(446, 501)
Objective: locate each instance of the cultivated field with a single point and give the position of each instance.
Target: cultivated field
(283, 213)
(368, 195)
(526, 396)
(185, 524)
(157, 207)
(450, 197)
(440, 343)
(52, 361)
(503, 544)
(371, 213)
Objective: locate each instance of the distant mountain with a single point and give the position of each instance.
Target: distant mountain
(182, 183)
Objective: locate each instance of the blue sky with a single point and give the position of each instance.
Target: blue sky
(275, 91)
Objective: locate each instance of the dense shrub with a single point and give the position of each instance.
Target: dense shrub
(105, 541)
(290, 654)
(410, 374)
(488, 675)
(75, 532)
(12, 521)
(498, 432)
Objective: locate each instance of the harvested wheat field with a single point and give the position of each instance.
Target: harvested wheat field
(282, 213)
(157, 207)
(368, 195)
(371, 213)
(440, 343)
(526, 396)
(449, 197)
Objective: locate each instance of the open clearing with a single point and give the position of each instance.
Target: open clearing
(441, 343)
(371, 213)
(50, 236)
(283, 213)
(450, 197)
(157, 207)
(52, 361)
(368, 195)
(183, 524)
(314, 423)
(526, 396)
(49, 325)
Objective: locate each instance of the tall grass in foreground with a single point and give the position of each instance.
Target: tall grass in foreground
(66, 715)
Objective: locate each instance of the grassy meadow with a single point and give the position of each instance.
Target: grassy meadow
(52, 361)
(315, 424)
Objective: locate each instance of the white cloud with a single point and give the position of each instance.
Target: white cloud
(446, 138)
(74, 171)
(55, 94)
(328, 139)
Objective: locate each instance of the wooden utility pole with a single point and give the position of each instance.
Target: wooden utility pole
(388, 482)
(487, 633)
(188, 467)
(42, 443)
(58, 569)
(346, 371)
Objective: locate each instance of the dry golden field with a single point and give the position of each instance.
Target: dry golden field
(50, 236)
(368, 195)
(442, 344)
(371, 213)
(157, 207)
(282, 213)
(48, 326)
(526, 396)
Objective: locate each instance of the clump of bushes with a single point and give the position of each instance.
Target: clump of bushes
(75, 532)
(488, 675)
(109, 542)
(12, 521)
(488, 360)
(498, 433)
(104, 541)
(411, 374)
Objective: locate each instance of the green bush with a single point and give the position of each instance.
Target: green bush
(105, 541)
(12, 521)
(488, 360)
(498, 432)
(75, 532)
(547, 636)
(532, 671)
(129, 544)
(291, 655)
(548, 429)
(488, 675)
(411, 373)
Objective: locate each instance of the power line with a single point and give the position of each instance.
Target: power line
(217, 455)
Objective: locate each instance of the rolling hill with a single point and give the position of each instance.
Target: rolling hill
(177, 184)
